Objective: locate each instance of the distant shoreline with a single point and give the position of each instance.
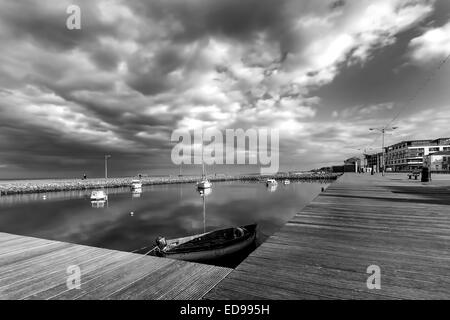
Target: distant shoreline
(8, 187)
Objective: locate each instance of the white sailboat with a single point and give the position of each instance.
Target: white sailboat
(99, 198)
(204, 183)
(99, 195)
(136, 184)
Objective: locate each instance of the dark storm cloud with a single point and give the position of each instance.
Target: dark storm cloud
(337, 4)
(67, 84)
(105, 57)
(165, 69)
(51, 153)
(150, 80)
(42, 147)
(234, 18)
(43, 23)
(186, 21)
(120, 111)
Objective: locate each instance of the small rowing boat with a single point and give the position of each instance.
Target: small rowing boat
(207, 246)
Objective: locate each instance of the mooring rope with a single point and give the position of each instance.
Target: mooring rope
(154, 248)
(148, 252)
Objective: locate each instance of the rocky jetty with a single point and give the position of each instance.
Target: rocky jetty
(32, 186)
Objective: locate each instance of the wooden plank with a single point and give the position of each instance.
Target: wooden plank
(323, 251)
(90, 270)
(34, 268)
(41, 265)
(152, 286)
(120, 277)
(24, 257)
(202, 284)
(184, 280)
(16, 287)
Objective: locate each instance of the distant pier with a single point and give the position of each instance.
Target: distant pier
(55, 185)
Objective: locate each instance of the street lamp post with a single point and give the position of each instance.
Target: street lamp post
(383, 131)
(106, 165)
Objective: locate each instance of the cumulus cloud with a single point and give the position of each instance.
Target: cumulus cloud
(431, 45)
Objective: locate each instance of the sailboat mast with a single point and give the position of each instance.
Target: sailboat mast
(203, 163)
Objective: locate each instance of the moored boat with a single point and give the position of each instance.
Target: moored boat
(207, 246)
(270, 182)
(99, 195)
(136, 184)
(204, 184)
(286, 181)
(204, 192)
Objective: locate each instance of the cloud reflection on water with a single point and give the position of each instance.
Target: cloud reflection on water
(169, 210)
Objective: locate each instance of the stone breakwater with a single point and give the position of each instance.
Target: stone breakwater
(54, 185)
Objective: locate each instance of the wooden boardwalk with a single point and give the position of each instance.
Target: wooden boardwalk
(32, 268)
(323, 252)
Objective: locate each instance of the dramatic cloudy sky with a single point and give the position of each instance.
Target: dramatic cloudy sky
(322, 72)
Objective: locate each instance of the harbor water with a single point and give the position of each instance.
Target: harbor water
(130, 221)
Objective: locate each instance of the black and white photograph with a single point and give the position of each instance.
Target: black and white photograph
(227, 154)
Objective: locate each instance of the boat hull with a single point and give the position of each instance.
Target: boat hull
(271, 182)
(99, 199)
(204, 185)
(136, 184)
(99, 196)
(212, 254)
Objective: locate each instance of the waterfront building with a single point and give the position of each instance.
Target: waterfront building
(438, 161)
(409, 155)
(352, 164)
(372, 162)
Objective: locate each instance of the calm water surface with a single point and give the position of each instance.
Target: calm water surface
(131, 221)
